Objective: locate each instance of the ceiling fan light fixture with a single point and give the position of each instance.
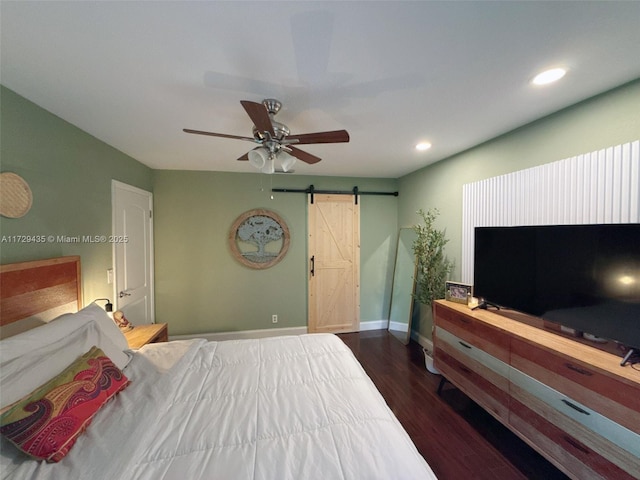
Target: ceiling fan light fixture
(269, 166)
(258, 158)
(286, 161)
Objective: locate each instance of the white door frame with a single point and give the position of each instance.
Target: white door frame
(115, 186)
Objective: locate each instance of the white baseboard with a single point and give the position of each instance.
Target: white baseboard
(262, 333)
(373, 325)
(270, 332)
(398, 326)
(422, 340)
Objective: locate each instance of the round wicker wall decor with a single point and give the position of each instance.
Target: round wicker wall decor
(259, 239)
(15, 195)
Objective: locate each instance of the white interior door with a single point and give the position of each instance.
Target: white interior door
(133, 252)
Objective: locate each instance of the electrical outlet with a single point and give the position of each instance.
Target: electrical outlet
(274, 318)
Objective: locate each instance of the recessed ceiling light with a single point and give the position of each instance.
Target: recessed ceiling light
(549, 76)
(422, 146)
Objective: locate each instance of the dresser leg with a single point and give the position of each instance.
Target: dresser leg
(442, 382)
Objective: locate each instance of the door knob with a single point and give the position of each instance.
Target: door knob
(124, 294)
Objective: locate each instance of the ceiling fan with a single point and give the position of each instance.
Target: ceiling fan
(274, 138)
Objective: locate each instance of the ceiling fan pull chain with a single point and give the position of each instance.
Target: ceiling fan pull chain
(271, 177)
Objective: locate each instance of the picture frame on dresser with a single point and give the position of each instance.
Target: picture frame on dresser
(458, 292)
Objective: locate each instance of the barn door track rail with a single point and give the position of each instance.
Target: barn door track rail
(312, 190)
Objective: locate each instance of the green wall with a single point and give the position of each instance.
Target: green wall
(606, 120)
(69, 173)
(201, 288)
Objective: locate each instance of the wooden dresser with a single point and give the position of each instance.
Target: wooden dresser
(571, 402)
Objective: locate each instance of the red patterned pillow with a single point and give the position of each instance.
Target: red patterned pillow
(46, 423)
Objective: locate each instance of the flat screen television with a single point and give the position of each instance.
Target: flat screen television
(585, 277)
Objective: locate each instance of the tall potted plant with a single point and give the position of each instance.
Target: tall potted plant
(433, 266)
(433, 270)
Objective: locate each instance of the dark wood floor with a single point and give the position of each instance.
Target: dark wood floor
(456, 437)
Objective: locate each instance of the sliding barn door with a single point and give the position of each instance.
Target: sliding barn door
(334, 264)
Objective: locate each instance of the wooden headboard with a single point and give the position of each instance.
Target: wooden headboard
(33, 293)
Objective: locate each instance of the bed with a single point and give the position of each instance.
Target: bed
(294, 407)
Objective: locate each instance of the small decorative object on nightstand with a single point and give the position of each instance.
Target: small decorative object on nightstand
(121, 321)
(140, 335)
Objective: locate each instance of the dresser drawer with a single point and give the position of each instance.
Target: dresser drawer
(540, 429)
(593, 431)
(467, 375)
(482, 335)
(603, 426)
(466, 348)
(603, 393)
(482, 377)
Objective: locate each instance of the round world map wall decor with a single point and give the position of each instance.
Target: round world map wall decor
(259, 238)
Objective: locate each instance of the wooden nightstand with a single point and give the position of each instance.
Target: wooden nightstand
(143, 334)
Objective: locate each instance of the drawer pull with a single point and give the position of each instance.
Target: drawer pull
(465, 345)
(575, 444)
(575, 407)
(579, 370)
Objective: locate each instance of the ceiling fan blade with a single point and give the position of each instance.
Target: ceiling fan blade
(223, 135)
(334, 136)
(304, 156)
(259, 115)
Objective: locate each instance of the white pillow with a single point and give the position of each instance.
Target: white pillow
(94, 312)
(23, 374)
(61, 327)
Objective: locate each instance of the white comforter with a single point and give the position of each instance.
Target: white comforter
(277, 408)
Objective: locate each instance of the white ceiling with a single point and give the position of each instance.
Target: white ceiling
(134, 74)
